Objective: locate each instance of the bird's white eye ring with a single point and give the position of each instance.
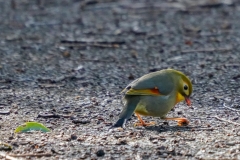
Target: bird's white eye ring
(185, 87)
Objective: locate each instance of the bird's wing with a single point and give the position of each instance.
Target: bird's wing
(151, 84)
(150, 91)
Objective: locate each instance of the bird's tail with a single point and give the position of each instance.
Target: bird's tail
(128, 109)
(120, 123)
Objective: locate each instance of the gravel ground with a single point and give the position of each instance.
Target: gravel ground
(64, 63)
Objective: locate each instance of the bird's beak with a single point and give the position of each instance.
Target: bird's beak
(188, 101)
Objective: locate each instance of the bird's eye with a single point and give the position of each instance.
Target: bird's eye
(185, 87)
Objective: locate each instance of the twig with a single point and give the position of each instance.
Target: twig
(231, 108)
(31, 155)
(84, 43)
(77, 121)
(96, 60)
(208, 50)
(220, 33)
(4, 155)
(94, 45)
(53, 115)
(6, 112)
(226, 120)
(46, 85)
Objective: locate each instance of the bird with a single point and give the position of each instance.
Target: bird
(155, 94)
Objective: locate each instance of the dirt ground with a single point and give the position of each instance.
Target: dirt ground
(64, 63)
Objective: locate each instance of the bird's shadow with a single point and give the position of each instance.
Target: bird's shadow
(166, 128)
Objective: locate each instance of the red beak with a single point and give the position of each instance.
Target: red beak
(188, 101)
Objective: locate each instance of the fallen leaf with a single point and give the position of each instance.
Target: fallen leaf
(31, 126)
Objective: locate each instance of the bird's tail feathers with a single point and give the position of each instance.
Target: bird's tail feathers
(128, 109)
(120, 123)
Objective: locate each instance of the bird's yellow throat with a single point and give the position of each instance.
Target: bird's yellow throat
(179, 98)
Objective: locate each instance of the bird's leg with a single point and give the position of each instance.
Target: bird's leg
(142, 123)
(181, 121)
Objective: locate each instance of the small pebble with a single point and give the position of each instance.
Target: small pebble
(73, 137)
(100, 153)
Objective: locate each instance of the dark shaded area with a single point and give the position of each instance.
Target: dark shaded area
(64, 63)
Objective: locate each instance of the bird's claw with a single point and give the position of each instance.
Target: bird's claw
(183, 122)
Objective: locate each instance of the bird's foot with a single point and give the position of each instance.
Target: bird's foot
(144, 124)
(181, 121)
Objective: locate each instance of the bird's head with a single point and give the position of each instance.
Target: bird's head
(184, 88)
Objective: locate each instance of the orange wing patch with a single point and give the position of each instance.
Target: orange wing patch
(153, 91)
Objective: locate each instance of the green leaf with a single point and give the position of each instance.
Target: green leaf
(31, 126)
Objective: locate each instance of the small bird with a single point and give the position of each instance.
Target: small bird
(155, 94)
